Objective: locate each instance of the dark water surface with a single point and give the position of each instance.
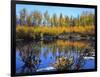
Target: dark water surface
(41, 56)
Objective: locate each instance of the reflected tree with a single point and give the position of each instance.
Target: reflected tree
(30, 57)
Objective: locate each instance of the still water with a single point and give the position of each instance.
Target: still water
(41, 56)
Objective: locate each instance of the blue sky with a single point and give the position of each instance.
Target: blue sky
(66, 11)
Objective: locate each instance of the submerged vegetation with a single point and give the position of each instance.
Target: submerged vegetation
(63, 63)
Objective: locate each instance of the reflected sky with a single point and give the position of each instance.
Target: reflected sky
(42, 55)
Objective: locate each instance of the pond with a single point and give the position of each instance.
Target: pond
(43, 56)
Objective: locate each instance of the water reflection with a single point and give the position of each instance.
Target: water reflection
(29, 56)
(60, 54)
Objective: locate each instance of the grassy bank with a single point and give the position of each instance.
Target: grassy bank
(23, 32)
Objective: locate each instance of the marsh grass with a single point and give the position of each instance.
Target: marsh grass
(23, 32)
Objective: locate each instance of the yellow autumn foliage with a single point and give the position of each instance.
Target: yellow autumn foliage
(79, 44)
(55, 30)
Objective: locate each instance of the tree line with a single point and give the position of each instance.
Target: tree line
(36, 18)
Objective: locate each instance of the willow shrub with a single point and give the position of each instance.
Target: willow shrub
(63, 63)
(24, 32)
